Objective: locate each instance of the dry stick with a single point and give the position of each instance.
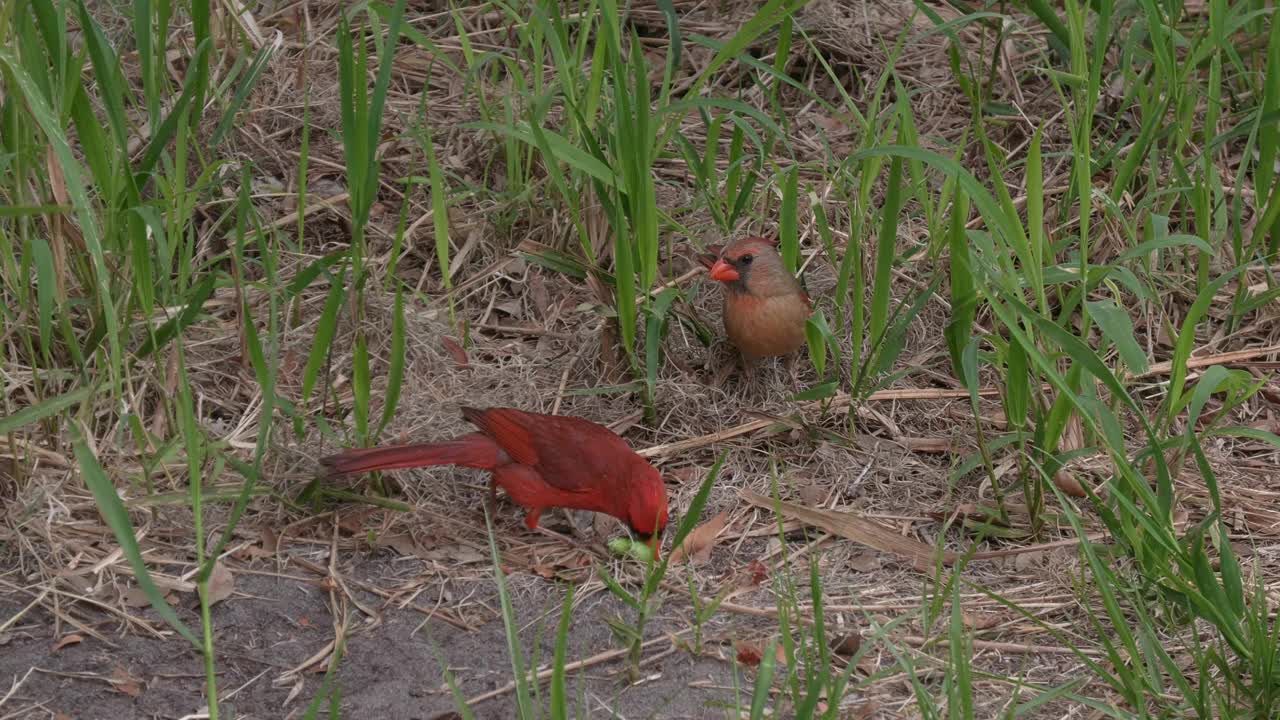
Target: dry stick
(1163, 368)
(843, 399)
(596, 659)
(872, 534)
(838, 401)
(515, 330)
(1006, 647)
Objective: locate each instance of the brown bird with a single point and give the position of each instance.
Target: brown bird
(542, 461)
(765, 308)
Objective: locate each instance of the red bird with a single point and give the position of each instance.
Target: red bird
(541, 461)
(765, 308)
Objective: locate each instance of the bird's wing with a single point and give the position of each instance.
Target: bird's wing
(509, 428)
(568, 452)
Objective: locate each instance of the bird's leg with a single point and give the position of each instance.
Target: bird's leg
(751, 375)
(726, 369)
(531, 518)
(573, 523)
(789, 362)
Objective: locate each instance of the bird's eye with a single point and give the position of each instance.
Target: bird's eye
(746, 259)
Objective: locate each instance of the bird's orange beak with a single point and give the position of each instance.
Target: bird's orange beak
(723, 272)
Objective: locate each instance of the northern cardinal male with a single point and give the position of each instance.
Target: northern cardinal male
(541, 461)
(765, 309)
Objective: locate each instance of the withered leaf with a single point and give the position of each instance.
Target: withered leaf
(221, 583)
(697, 546)
(936, 445)
(846, 644)
(456, 351)
(123, 682)
(134, 597)
(403, 543)
(865, 562)
(1067, 483)
(66, 640)
(748, 653)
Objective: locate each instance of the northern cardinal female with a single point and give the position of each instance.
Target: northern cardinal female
(541, 461)
(765, 309)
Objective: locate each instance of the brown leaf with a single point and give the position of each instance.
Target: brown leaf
(123, 682)
(846, 644)
(538, 293)
(57, 181)
(221, 583)
(780, 654)
(66, 640)
(757, 573)
(854, 527)
(697, 545)
(610, 358)
(980, 621)
(456, 554)
(813, 495)
(353, 523)
(1025, 561)
(1067, 483)
(135, 597)
(748, 653)
(455, 351)
(403, 543)
(937, 445)
(686, 474)
(865, 562)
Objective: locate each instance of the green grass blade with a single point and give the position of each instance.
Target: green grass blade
(117, 518)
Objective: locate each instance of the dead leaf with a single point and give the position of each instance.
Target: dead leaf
(846, 644)
(57, 181)
(1024, 561)
(123, 682)
(813, 495)
(221, 583)
(66, 640)
(859, 529)
(459, 554)
(697, 545)
(538, 293)
(353, 523)
(514, 308)
(748, 653)
(403, 543)
(865, 562)
(270, 540)
(980, 621)
(1067, 483)
(456, 351)
(936, 445)
(757, 573)
(685, 475)
(62, 716)
(135, 597)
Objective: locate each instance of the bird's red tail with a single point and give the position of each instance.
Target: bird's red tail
(473, 451)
